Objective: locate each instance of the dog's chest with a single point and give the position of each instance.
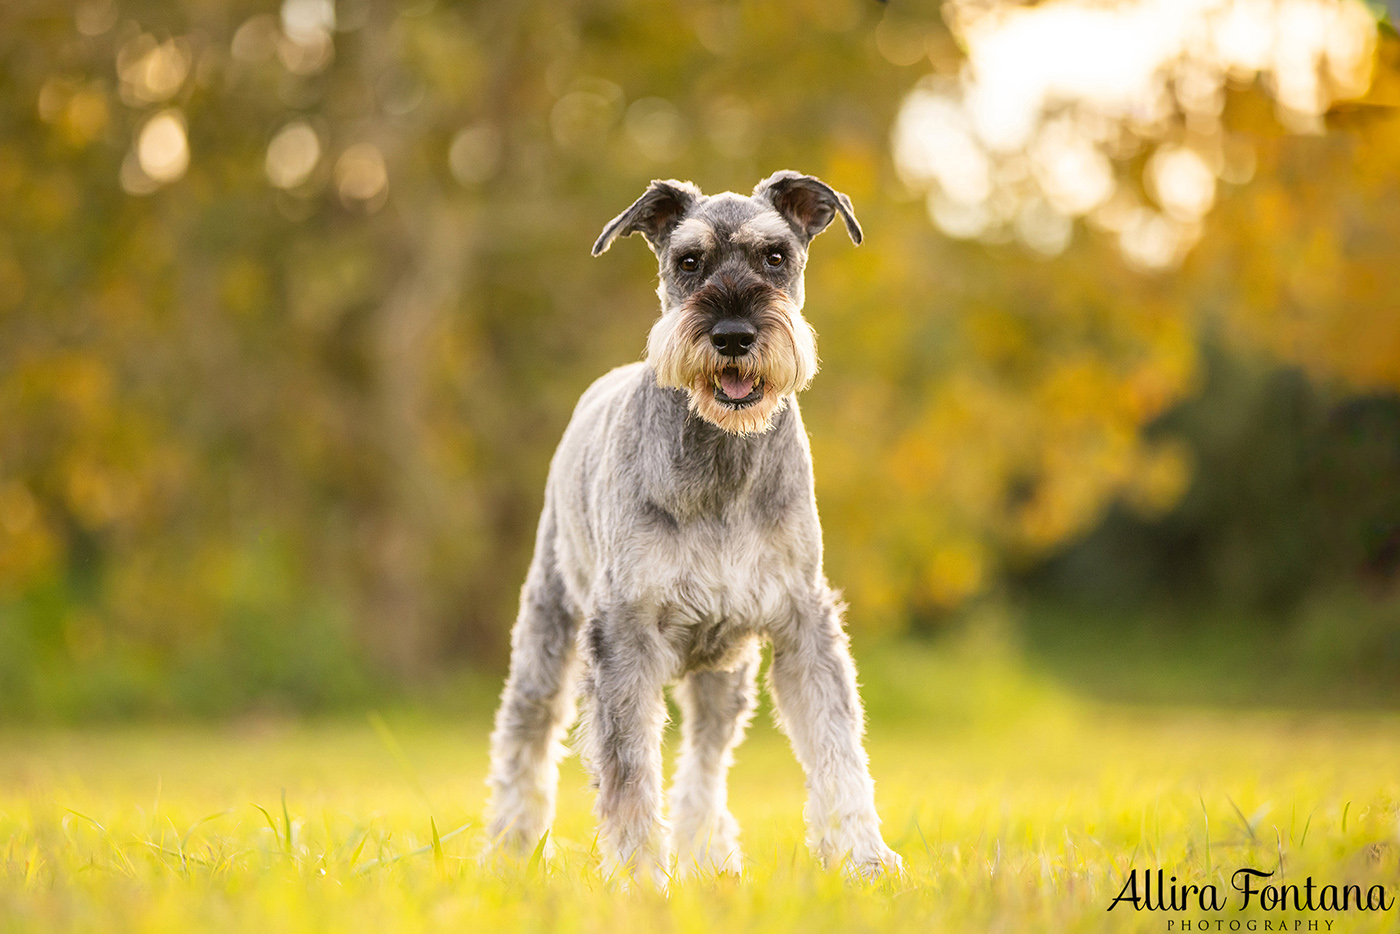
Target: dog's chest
(720, 530)
(711, 574)
(713, 590)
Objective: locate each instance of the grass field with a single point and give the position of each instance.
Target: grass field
(1017, 806)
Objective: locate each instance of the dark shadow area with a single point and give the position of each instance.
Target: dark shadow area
(1272, 582)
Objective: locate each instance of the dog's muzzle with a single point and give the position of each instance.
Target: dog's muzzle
(731, 339)
(739, 348)
(737, 391)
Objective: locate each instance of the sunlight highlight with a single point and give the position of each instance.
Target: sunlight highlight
(1055, 101)
(162, 149)
(361, 175)
(293, 155)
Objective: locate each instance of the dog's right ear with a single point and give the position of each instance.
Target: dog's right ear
(654, 215)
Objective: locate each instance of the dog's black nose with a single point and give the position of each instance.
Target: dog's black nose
(732, 337)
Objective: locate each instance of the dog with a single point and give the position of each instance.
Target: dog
(679, 531)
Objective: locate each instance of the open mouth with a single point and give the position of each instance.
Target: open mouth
(737, 391)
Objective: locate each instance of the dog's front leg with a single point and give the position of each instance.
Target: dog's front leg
(813, 684)
(624, 715)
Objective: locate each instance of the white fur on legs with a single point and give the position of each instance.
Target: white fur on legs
(536, 710)
(620, 733)
(716, 707)
(813, 684)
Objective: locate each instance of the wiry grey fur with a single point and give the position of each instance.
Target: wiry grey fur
(679, 531)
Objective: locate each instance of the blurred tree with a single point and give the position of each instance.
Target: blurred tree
(295, 302)
(1294, 492)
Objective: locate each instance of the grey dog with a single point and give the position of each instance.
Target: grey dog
(679, 530)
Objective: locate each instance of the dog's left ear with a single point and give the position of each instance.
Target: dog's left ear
(808, 203)
(654, 215)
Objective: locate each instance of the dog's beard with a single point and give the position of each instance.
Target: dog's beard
(781, 363)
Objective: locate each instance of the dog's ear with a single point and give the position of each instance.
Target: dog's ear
(808, 203)
(654, 215)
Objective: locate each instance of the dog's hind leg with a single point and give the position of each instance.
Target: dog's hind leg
(716, 707)
(537, 708)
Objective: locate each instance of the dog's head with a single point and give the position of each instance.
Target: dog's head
(731, 331)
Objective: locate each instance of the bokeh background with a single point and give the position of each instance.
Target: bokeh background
(295, 302)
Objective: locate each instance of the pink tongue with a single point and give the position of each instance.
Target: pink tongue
(734, 385)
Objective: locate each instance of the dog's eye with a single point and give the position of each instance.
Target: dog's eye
(774, 258)
(690, 263)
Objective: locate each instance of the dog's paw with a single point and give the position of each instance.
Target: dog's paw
(707, 847)
(646, 867)
(711, 861)
(516, 839)
(709, 857)
(874, 863)
(855, 845)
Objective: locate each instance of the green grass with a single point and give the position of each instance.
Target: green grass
(1017, 806)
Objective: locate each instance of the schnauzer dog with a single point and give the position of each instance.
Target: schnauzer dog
(680, 530)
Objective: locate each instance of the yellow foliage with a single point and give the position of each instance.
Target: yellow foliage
(196, 366)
